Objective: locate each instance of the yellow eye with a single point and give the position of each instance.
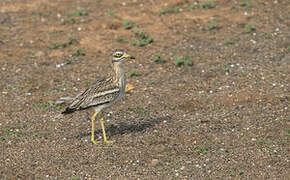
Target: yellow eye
(118, 55)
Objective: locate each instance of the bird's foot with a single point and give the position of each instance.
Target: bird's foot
(96, 142)
(108, 142)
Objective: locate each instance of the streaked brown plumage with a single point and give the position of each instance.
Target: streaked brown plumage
(103, 93)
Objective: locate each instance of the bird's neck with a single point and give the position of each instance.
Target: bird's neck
(118, 72)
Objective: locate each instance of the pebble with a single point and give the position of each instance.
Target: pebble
(253, 41)
(59, 65)
(154, 162)
(39, 53)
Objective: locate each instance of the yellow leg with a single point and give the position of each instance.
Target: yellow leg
(103, 129)
(93, 129)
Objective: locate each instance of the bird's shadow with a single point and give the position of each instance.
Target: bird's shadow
(130, 126)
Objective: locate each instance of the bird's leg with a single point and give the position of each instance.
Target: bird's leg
(93, 129)
(103, 128)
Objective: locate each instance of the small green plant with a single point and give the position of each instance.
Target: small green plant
(71, 41)
(181, 61)
(172, 107)
(2, 138)
(134, 73)
(169, 10)
(178, 61)
(78, 13)
(288, 48)
(249, 28)
(88, 83)
(140, 34)
(75, 178)
(211, 26)
(202, 149)
(121, 39)
(246, 4)
(111, 13)
(187, 60)
(144, 39)
(287, 132)
(128, 25)
(134, 43)
(57, 45)
(228, 42)
(207, 5)
(68, 60)
(11, 132)
(151, 82)
(158, 59)
(32, 56)
(78, 52)
(233, 8)
(54, 33)
(138, 110)
(189, 6)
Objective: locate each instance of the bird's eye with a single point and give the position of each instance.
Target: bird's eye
(118, 55)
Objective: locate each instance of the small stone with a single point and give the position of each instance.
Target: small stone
(253, 41)
(39, 53)
(154, 162)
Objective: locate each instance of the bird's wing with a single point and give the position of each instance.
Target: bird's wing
(101, 92)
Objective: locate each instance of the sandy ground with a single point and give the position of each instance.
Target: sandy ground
(210, 99)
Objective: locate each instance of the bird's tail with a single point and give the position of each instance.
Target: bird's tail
(64, 100)
(68, 111)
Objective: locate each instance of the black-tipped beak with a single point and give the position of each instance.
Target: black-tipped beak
(128, 56)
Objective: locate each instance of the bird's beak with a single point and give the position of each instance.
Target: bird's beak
(128, 56)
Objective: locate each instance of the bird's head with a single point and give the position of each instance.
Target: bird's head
(120, 55)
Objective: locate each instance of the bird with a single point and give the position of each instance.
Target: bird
(105, 92)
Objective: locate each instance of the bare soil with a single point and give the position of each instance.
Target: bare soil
(225, 116)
